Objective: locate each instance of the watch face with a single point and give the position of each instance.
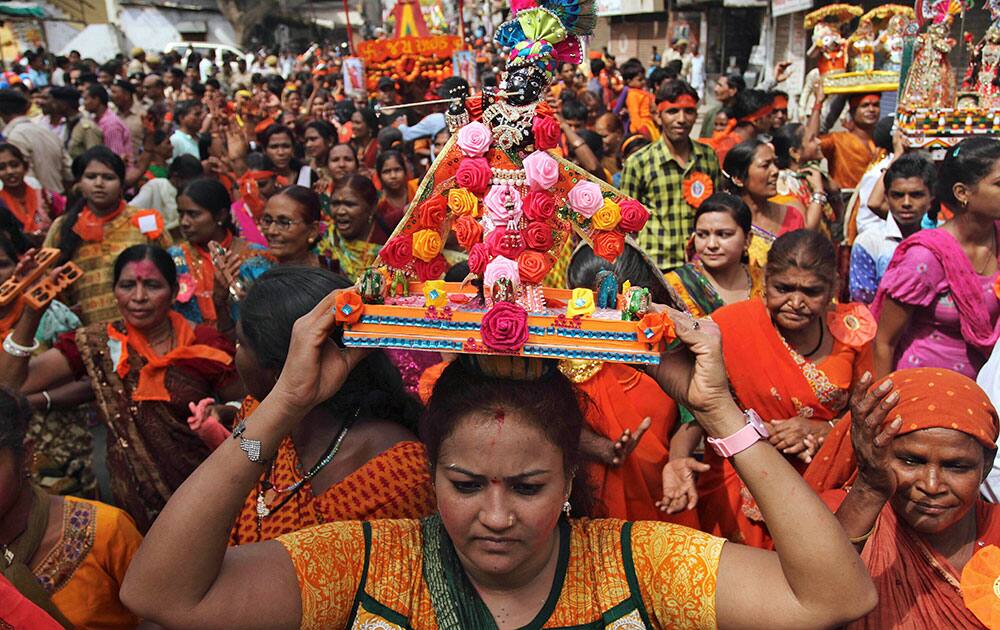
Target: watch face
(754, 419)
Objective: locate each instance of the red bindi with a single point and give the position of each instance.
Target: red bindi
(494, 480)
(145, 270)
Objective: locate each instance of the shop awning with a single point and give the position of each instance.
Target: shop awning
(22, 9)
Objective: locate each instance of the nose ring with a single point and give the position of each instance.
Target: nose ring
(510, 520)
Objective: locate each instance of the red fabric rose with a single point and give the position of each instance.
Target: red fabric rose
(467, 231)
(546, 131)
(474, 175)
(500, 246)
(538, 205)
(398, 252)
(431, 213)
(432, 270)
(479, 257)
(608, 245)
(534, 266)
(634, 215)
(505, 327)
(538, 235)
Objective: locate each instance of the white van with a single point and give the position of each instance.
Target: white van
(207, 50)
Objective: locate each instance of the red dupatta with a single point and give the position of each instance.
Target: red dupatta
(769, 377)
(764, 373)
(917, 587)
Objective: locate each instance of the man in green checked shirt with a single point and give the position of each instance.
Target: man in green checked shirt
(671, 177)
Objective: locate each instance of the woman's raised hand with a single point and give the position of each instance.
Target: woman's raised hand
(316, 367)
(679, 489)
(872, 443)
(695, 374)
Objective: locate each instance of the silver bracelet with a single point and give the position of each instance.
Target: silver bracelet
(819, 198)
(15, 349)
(48, 400)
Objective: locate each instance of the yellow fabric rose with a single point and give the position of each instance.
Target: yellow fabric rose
(607, 217)
(581, 303)
(463, 202)
(434, 294)
(426, 244)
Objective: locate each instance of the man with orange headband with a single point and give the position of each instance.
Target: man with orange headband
(671, 176)
(750, 116)
(848, 153)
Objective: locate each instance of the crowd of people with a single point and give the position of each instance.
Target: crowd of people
(830, 288)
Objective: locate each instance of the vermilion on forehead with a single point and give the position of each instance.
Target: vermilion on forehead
(145, 270)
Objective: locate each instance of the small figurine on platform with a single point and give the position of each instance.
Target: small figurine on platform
(861, 47)
(984, 61)
(930, 83)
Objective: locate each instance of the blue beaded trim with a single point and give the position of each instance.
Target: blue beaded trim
(418, 322)
(402, 342)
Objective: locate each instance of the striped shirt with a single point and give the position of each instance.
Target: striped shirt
(117, 137)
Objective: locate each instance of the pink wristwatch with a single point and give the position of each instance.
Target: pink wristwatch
(754, 431)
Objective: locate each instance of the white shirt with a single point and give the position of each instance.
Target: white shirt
(866, 218)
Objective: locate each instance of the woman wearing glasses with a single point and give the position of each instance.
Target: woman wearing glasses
(291, 224)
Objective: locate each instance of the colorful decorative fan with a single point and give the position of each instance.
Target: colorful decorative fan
(981, 586)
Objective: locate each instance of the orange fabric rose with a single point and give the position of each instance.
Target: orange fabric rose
(426, 244)
(534, 266)
(431, 213)
(468, 232)
(348, 307)
(608, 245)
(650, 328)
(463, 202)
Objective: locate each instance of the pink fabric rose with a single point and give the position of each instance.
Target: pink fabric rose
(585, 198)
(538, 236)
(432, 270)
(505, 327)
(546, 131)
(503, 204)
(474, 175)
(501, 267)
(479, 257)
(500, 245)
(474, 139)
(541, 170)
(634, 215)
(398, 252)
(539, 205)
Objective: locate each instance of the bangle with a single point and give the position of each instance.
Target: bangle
(48, 400)
(578, 144)
(818, 197)
(832, 424)
(864, 537)
(15, 349)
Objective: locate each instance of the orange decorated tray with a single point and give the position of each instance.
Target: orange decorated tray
(452, 317)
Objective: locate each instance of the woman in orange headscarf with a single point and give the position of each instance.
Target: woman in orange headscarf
(793, 357)
(923, 441)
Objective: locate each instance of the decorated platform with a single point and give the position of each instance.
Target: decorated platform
(451, 317)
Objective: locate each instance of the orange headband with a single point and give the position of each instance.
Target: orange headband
(760, 113)
(780, 102)
(684, 101)
(858, 99)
